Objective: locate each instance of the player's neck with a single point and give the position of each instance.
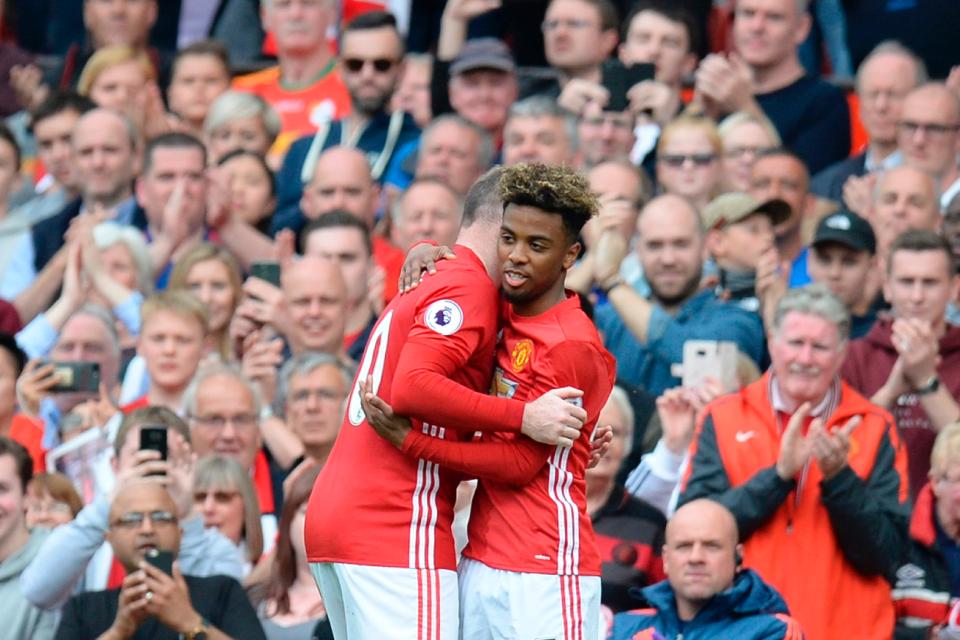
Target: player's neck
(544, 302)
(483, 243)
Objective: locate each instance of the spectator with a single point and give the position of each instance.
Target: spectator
(305, 87)
(253, 188)
(884, 79)
(14, 424)
(781, 175)
(483, 84)
(538, 130)
(900, 363)
(926, 583)
(928, 134)
(813, 473)
(578, 35)
(843, 257)
(371, 61)
(144, 516)
(212, 275)
(238, 120)
(428, 210)
(75, 558)
(223, 409)
(904, 198)
(413, 90)
(605, 134)
(175, 326)
(224, 495)
(18, 547)
(688, 160)
(51, 500)
(455, 151)
(199, 75)
(629, 532)
(117, 78)
(707, 593)
(647, 336)
(766, 76)
(344, 240)
(744, 138)
(666, 36)
(290, 606)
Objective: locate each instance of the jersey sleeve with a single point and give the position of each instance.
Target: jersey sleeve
(433, 352)
(516, 462)
(583, 365)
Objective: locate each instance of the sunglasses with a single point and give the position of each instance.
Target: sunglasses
(380, 65)
(678, 160)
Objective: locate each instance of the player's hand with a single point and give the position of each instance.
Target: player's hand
(553, 418)
(422, 258)
(380, 416)
(600, 445)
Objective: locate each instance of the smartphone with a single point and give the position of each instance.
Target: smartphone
(710, 358)
(155, 439)
(161, 559)
(77, 377)
(266, 271)
(618, 79)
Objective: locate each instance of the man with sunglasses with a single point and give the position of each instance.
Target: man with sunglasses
(152, 603)
(928, 134)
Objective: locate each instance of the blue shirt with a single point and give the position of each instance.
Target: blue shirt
(799, 276)
(702, 317)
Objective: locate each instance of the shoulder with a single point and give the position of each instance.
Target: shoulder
(269, 75)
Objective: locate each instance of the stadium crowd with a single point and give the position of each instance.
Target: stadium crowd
(213, 214)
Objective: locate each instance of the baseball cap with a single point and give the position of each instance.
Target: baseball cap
(483, 53)
(846, 228)
(730, 208)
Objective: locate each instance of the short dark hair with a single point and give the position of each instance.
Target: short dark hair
(334, 219)
(373, 20)
(671, 11)
(9, 344)
(246, 153)
(21, 457)
(212, 48)
(557, 190)
(58, 102)
(609, 16)
(174, 140)
(922, 240)
(482, 202)
(148, 416)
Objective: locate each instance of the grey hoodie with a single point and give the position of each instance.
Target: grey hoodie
(20, 620)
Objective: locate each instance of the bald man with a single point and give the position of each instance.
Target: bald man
(152, 603)
(706, 593)
(905, 198)
(315, 296)
(928, 135)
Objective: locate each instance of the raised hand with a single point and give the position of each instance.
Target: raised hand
(795, 448)
(579, 93)
(678, 416)
(831, 448)
(466, 10)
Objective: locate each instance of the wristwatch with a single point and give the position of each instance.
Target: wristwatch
(930, 386)
(197, 633)
(611, 284)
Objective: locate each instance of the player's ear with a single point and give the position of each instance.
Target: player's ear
(570, 258)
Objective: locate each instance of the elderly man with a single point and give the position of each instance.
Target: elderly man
(928, 135)
(909, 364)
(538, 130)
(455, 151)
(707, 594)
(152, 603)
(428, 210)
(813, 472)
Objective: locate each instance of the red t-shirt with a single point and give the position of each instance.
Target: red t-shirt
(529, 513)
(431, 356)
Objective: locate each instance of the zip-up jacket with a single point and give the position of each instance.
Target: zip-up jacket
(828, 546)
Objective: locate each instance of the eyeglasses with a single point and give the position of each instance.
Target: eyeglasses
(930, 128)
(48, 507)
(324, 395)
(135, 519)
(552, 25)
(220, 497)
(242, 421)
(615, 120)
(678, 160)
(380, 65)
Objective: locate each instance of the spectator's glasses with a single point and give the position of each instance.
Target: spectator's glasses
(242, 421)
(380, 65)
(931, 129)
(323, 395)
(552, 25)
(135, 519)
(220, 497)
(616, 120)
(49, 508)
(677, 160)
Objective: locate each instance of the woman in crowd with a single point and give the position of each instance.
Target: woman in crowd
(290, 607)
(51, 500)
(688, 160)
(224, 495)
(745, 136)
(118, 77)
(212, 275)
(253, 190)
(238, 120)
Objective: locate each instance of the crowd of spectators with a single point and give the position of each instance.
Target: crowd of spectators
(205, 206)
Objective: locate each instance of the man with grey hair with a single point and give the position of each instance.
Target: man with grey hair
(813, 472)
(455, 151)
(429, 209)
(883, 80)
(538, 130)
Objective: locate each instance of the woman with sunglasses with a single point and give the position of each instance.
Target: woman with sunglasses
(688, 160)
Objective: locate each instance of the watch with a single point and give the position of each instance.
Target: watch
(197, 633)
(616, 282)
(930, 386)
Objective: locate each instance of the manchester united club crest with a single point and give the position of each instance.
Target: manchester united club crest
(520, 356)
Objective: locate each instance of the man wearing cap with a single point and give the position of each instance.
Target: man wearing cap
(739, 233)
(843, 257)
(910, 363)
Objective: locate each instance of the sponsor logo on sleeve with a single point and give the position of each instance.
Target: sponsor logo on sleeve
(444, 316)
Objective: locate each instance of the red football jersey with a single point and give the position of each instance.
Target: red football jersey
(530, 510)
(431, 355)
